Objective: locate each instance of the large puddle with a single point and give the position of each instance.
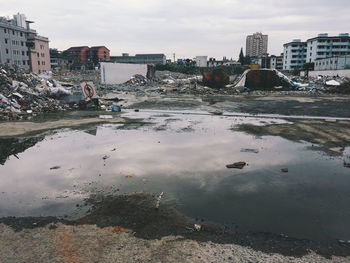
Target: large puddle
(185, 156)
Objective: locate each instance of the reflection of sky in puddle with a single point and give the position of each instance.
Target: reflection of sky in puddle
(311, 200)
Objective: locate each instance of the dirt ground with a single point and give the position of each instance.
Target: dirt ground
(131, 229)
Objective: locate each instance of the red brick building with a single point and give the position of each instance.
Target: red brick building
(85, 57)
(100, 52)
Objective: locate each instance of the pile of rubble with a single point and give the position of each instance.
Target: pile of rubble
(323, 84)
(23, 94)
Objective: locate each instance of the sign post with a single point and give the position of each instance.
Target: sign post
(89, 90)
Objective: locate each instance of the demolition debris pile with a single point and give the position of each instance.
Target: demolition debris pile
(24, 94)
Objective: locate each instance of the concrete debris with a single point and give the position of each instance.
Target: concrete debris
(197, 227)
(237, 165)
(332, 83)
(264, 79)
(216, 78)
(24, 93)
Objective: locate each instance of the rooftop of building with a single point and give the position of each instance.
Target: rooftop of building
(77, 48)
(4, 22)
(98, 47)
(325, 36)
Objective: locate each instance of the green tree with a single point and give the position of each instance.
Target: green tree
(309, 66)
(241, 57)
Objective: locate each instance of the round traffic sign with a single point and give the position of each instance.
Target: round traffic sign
(88, 90)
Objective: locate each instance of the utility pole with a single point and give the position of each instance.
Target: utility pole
(174, 57)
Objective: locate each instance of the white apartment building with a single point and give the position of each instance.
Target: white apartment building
(324, 46)
(294, 54)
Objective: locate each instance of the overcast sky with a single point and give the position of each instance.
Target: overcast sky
(185, 27)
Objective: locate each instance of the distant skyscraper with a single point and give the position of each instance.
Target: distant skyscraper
(256, 45)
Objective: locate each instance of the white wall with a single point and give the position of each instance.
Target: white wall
(340, 73)
(201, 61)
(118, 73)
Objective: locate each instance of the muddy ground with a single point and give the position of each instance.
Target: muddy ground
(129, 228)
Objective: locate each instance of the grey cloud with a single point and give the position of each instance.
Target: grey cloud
(188, 28)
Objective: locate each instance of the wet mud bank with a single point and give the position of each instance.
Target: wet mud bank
(330, 136)
(137, 213)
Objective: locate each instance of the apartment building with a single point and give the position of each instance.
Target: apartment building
(276, 62)
(256, 45)
(324, 46)
(297, 53)
(22, 46)
(13, 48)
(294, 54)
(86, 57)
(271, 61)
(39, 52)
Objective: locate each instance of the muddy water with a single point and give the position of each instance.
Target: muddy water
(185, 156)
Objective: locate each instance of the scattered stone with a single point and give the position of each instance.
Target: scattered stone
(237, 165)
(284, 170)
(55, 167)
(197, 227)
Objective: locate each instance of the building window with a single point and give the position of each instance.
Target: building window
(6, 41)
(39, 63)
(13, 32)
(7, 51)
(23, 53)
(24, 62)
(38, 54)
(22, 43)
(21, 34)
(5, 30)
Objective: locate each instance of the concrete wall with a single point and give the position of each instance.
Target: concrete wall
(340, 73)
(118, 73)
(332, 63)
